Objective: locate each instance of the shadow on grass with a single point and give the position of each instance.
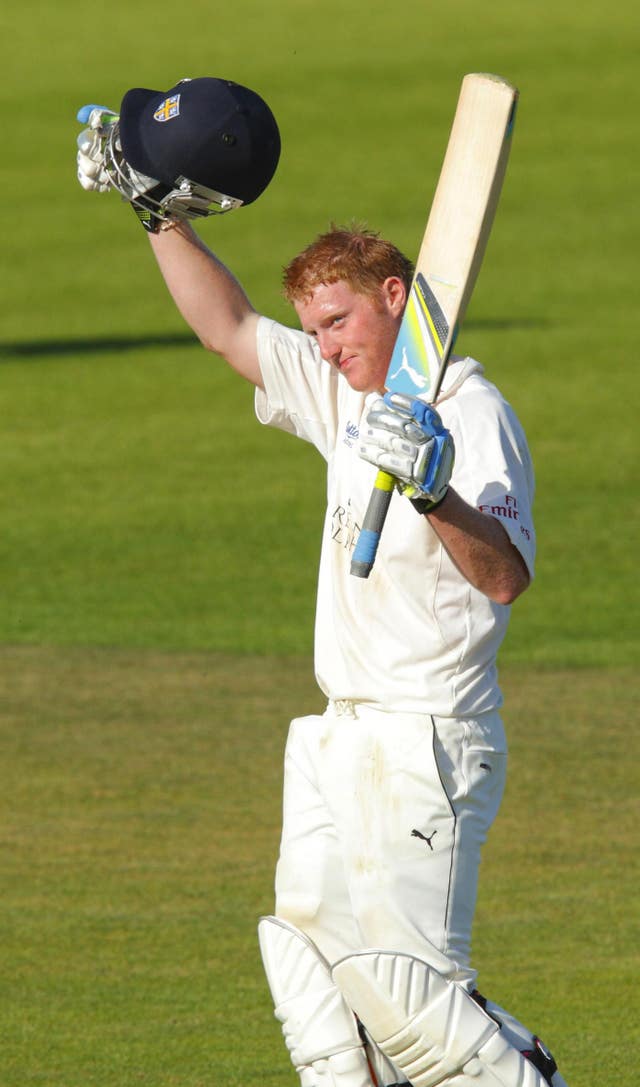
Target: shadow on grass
(32, 349)
(35, 349)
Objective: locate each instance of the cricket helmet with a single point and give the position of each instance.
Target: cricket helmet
(213, 132)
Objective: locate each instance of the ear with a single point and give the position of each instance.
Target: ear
(394, 294)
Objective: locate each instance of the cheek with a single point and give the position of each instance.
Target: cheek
(381, 336)
(367, 331)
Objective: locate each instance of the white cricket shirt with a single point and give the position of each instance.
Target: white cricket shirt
(415, 636)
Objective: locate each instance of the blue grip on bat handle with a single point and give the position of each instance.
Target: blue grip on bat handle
(366, 548)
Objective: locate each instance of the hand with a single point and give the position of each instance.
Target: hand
(405, 437)
(102, 166)
(92, 174)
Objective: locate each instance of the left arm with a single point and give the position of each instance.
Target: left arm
(480, 547)
(405, 437)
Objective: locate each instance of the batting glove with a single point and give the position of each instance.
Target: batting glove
(92, 174)
(406, 438)
(158, 205)
(101, 165)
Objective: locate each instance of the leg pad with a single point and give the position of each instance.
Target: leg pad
(429, 1027)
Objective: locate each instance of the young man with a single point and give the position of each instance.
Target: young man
(389, 795)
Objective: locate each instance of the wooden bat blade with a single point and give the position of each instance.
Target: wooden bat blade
(468, 190)
(448, 263)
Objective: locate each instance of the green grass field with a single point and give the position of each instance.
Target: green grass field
(158, 590)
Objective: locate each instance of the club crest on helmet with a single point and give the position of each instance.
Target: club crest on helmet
(168, 109)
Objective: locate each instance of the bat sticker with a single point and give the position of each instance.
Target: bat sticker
(420, 347)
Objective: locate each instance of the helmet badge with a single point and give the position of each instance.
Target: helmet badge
(168, 109)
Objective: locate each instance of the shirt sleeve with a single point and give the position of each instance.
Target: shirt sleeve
(493, 469)
(300, 389)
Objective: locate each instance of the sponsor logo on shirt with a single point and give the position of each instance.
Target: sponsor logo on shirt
(344, 529)
(351, 434)
(508, 510)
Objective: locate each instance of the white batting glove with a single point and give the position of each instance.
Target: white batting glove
(406, 438)
(95, 167)
(90, 157)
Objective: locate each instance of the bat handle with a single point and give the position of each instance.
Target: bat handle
(364, 555)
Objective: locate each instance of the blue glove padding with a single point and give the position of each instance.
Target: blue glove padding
(406, 438)
(85, 112)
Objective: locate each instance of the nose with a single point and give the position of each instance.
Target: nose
(329, 348)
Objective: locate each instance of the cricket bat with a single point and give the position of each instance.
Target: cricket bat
(448, 263)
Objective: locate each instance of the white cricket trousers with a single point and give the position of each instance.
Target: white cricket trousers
(384, 818)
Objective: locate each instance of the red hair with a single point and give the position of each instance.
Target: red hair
(353, 254)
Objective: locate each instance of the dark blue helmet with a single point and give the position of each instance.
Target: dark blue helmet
(213, 132)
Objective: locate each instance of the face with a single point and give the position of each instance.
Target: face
(355, 332)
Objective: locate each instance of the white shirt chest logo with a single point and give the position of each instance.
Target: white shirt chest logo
(351, 434)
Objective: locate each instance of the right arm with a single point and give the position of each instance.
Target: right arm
(206, 293)
(210, 298)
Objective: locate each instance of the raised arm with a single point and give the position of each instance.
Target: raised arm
(209, 297)
(205, 146)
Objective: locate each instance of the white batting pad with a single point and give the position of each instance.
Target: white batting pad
(518, 1035)
(429, 1027)
(319, 1028)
